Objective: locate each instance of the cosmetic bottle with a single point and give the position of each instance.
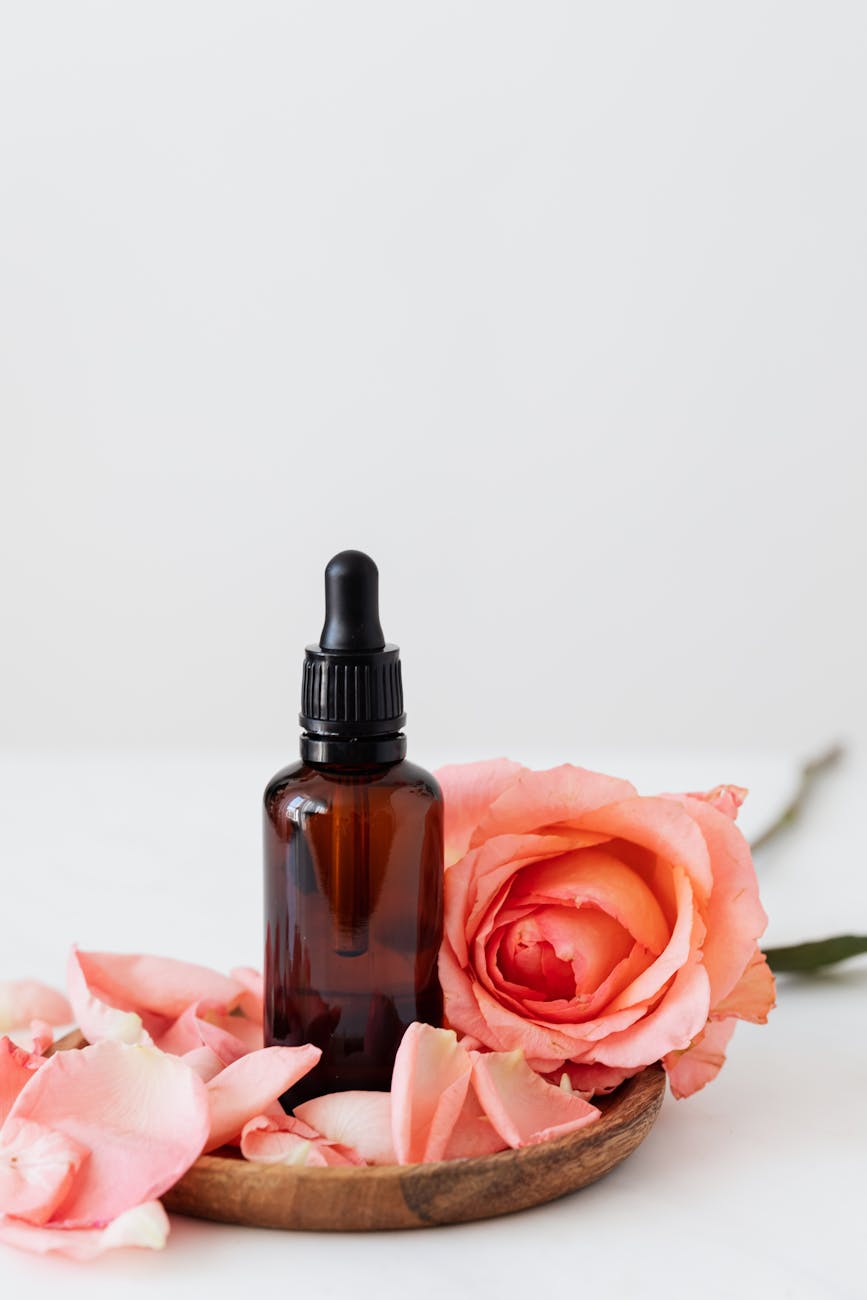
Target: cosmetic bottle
(353, 842)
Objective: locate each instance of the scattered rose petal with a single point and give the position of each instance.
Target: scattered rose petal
(245, 1034)
(17, 1067)
(204, 1024)
(24, 1000)
(288, 1140)
(141, 1115)
(428, 1089)
(42, 1037)
(144, 1225)
(521, 1106)
(159, 987)
(252, 1000)
(247, 1086)
(473, 1133)
(135, 998)
(37, 1168)
(359, 1120)
(98, 1020)
(205, 1062)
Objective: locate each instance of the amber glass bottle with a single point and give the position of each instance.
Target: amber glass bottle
(353, 857)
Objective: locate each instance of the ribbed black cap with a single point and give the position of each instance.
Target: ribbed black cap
(351, 685)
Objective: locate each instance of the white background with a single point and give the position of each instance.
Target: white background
(559, 311)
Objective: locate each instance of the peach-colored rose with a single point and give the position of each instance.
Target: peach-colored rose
(597, 929)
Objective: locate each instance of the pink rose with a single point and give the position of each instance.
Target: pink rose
(597, 929)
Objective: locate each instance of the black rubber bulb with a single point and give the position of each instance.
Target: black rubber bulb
(351, 604)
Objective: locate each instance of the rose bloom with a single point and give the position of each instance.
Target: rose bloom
(597, 929)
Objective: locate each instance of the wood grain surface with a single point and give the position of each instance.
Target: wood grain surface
(226, 1188)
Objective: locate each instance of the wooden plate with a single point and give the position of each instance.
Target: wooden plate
(226, 1188)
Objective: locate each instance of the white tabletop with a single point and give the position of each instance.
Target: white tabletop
(754, 1187)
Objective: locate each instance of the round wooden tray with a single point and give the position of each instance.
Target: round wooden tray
(226, 1188)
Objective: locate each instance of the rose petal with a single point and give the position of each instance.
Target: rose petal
(247, 1086)
(547, 1043)
(701, 1061)
(156, 987)
(549, 800)
(735, 917)
(754, 995)
(595, 876)
(99, 1020)
(522, 1106)
(17, 1067)
(474, 886)
(551, 974)
(685, 938)
(468, 791)
(206, 1064)
(244, 1031)
(725, 798)
(42, 1037)
(292, 1149)
(461, 1010)
(360, 1120)
(591, 1079)
(590, 940)
(160, 986)
(138, 999)
(473, 1133)
(670, 1026)
(522, 959)
(252, 1000)
(428, 1088)
(203, 1025)
(144, 1225)
(288, 1140)
(24, 1000)
(663, 826)
(141, 1114)
(37, 1169)
(591, 1010)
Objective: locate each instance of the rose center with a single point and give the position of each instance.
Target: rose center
(562, 952)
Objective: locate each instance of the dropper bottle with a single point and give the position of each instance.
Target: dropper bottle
(353, 840)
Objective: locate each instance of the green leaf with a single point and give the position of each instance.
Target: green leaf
(815, 955)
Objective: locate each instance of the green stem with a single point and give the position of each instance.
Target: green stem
(810, 773)
(820, 952)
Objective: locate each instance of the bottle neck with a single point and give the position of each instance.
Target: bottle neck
(359, 751)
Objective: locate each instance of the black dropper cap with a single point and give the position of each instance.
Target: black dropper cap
(351, 605)
(351, 690)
